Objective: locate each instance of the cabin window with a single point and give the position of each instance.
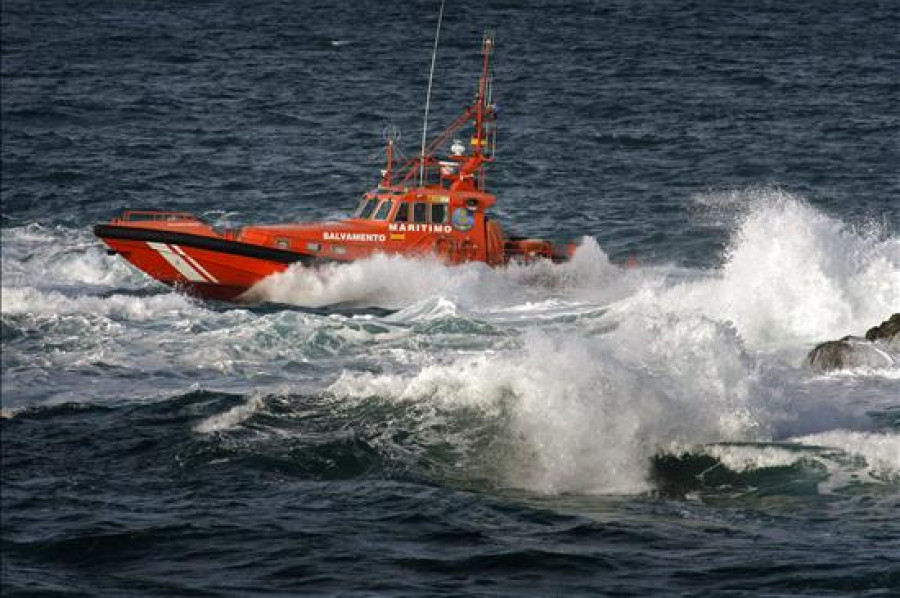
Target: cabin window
(438, 213)
(366, 211)
(402, 213)
(338, 249)
(419, 213)
(383, 210)
(359, 209)
(317, 247)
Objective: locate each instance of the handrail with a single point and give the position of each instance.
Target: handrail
(130, 215)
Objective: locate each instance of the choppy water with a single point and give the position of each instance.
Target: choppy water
(394, 427)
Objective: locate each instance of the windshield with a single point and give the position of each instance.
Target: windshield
(366, 207)
(383, 210)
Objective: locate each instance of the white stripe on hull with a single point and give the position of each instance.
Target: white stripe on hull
(176, 261)
(194, 263)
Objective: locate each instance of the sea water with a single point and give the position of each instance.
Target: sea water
(638, 421)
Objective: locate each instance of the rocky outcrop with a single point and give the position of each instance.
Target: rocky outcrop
(888, 330)
(879, 348)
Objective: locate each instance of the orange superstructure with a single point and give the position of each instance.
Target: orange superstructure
(428, 205)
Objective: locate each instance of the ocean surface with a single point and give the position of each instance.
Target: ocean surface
(400, 428)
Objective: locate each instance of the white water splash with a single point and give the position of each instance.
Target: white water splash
(588, 412)
(744, 458)
(60, 257)
(881, 451)
(34, 301)
(794, 274)
(396, 281)
(231, 418)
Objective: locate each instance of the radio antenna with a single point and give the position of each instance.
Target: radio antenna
(437, 36)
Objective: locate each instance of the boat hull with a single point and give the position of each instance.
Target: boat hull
(200, 265)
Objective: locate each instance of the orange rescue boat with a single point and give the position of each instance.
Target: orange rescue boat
(426, 206)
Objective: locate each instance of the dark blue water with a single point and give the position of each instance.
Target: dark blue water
(400, 428)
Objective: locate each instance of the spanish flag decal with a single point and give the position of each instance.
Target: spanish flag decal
(398, 236)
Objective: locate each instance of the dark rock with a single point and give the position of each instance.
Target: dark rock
(887, 330)
(880, 348)
(833, 355)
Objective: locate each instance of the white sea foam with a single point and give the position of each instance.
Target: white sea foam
(385, 281)
(848, 457)
(794, 274)
(30, 300)
(10, 412)
(231, 418)
(55, 257)
(589, 412)
(881, 451)
(396, 281)
(742, 458)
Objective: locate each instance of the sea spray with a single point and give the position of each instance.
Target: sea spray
(393, 281)
(792, 273)
(231, 418)
(881, 451)
(588, 412)
(62, 257)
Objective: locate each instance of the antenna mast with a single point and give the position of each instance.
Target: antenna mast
(437, 36)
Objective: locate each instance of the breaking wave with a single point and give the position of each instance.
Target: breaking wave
(63, 258)
(793, 273)
(395, 281)
(588, 413)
